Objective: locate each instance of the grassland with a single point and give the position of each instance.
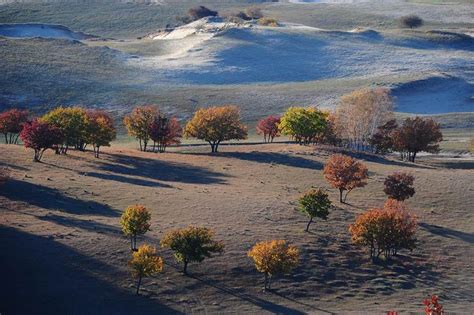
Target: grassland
(64, 251)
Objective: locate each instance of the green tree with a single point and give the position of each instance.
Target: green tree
(192, 244)
(316, 204)
(145, 263)
(135, 221)
(303, 124)
(73, 123)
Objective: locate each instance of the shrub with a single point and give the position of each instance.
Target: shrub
(216, 124)
(303, 124)
(139, 123)
(269, 128)
(432, 306)
(273, 258)
(268, 22)
(315, 204)
(191, 244)
(254, 13)
(40, 136)
(200, 12)
(411, 21)
(100, 131)
(135, 221)
(165, 132)
(145, 263)
(11, 124)
(416, 135)
(399, 186)
(345, 174)
(73, 123)
(385, 230)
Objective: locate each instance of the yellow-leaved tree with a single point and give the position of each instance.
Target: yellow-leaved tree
(216, 124)
(135, 221)
(273, 258)
(145, 263)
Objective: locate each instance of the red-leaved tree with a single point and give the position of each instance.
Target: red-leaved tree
(345, 174)
(11, 124)
(399, 186)
(432, 306)
(164, 132)
(268, 126)
(40, 136)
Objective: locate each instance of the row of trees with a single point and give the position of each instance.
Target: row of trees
(363, 120)
(59, 129)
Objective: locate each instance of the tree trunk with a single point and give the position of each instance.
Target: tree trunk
(138, 284)
(185, 267)
(265, 283)
(309, 223)
(340, 195)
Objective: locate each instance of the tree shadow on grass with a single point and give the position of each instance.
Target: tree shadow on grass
(154, 169)
(41, 276)
(267, 158)
(53, 199)
(447, 232)
(88, 225)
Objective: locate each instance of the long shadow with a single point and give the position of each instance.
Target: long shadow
(154, 169)
(41, 276)
(371, 157)
(88, 225)
(50, 198)
(447, 232)
(128, 180)
(264, 304)
(267, 158)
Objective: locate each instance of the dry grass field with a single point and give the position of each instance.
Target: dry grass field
(62, 249)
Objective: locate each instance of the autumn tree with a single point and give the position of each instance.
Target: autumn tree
(192, 244)
(40, 136)
(399, 186)
(345, 173)
(382, 140)
(386, 230)
(303, 124)
(145, 263)
(139, 122)
(135, 221)
(11, 124)
(216, 124)
(254, 13)
(316, 204)
(200, 12)
(417, 135)
(268, 126)
(100, 130)
(359, 113)
(165, 132)
(73, 122)
(411, 21)
(432, 306)
(274, 258)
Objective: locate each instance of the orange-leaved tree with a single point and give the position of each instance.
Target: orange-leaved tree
(145, 263)
(386, 230)
(216, 124)
(273, 258)
(139, 122)
(135, 221)
(345, 173)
